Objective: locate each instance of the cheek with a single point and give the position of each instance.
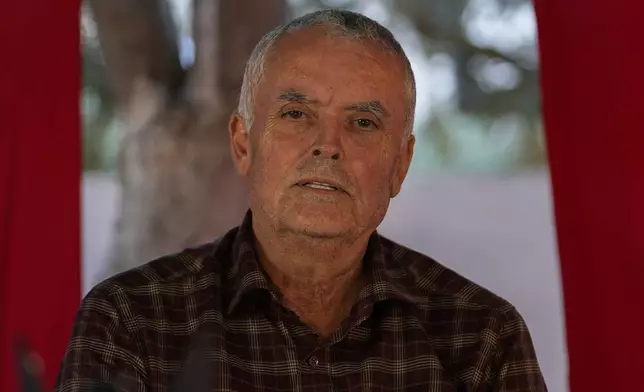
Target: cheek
(272, 166)
(373, 177)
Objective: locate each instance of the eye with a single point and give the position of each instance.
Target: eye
(294, 114)
(365, 123)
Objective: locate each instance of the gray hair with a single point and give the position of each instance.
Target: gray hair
(349, 24)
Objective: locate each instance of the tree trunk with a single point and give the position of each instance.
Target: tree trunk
(179, 186)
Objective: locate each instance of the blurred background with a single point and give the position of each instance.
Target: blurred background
(157, 173)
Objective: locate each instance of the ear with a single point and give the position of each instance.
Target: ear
(239, 143)
(402, 166)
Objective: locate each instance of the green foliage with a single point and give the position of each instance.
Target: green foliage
(100, 130)
(491, 121)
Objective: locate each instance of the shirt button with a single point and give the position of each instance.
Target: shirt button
(314, 361)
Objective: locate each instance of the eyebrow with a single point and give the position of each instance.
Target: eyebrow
(294, 96)
(369, 106)
(375, 107)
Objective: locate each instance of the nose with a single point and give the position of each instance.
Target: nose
(329, 141)
(335, 156)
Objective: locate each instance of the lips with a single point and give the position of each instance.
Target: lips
(320, 184)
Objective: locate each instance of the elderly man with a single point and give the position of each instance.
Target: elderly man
(305, 295)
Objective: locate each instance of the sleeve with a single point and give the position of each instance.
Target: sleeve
(101, 350)
(517, 368)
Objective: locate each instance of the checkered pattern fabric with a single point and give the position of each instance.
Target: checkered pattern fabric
(206, 319)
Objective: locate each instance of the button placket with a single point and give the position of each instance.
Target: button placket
(314, 361)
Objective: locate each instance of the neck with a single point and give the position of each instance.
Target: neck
(319, 279)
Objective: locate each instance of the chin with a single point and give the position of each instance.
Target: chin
(318, 222)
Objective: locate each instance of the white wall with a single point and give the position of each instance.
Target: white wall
(496, 230)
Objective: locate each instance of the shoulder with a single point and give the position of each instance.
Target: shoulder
(446, 288)
(469, 322)
(165, 281)
(186, 265)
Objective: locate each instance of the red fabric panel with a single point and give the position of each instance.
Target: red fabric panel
(40, 165)
(593, 100)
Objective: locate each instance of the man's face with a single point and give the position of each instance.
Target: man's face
(327, 149)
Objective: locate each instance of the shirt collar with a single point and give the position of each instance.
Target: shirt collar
(245, 274)
(387, 277)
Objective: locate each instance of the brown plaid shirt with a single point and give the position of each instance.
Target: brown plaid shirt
(417, 326)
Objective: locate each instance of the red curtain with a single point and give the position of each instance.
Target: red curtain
(592, 65)
(39, 179)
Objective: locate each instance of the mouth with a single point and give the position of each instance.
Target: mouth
(323, 185)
